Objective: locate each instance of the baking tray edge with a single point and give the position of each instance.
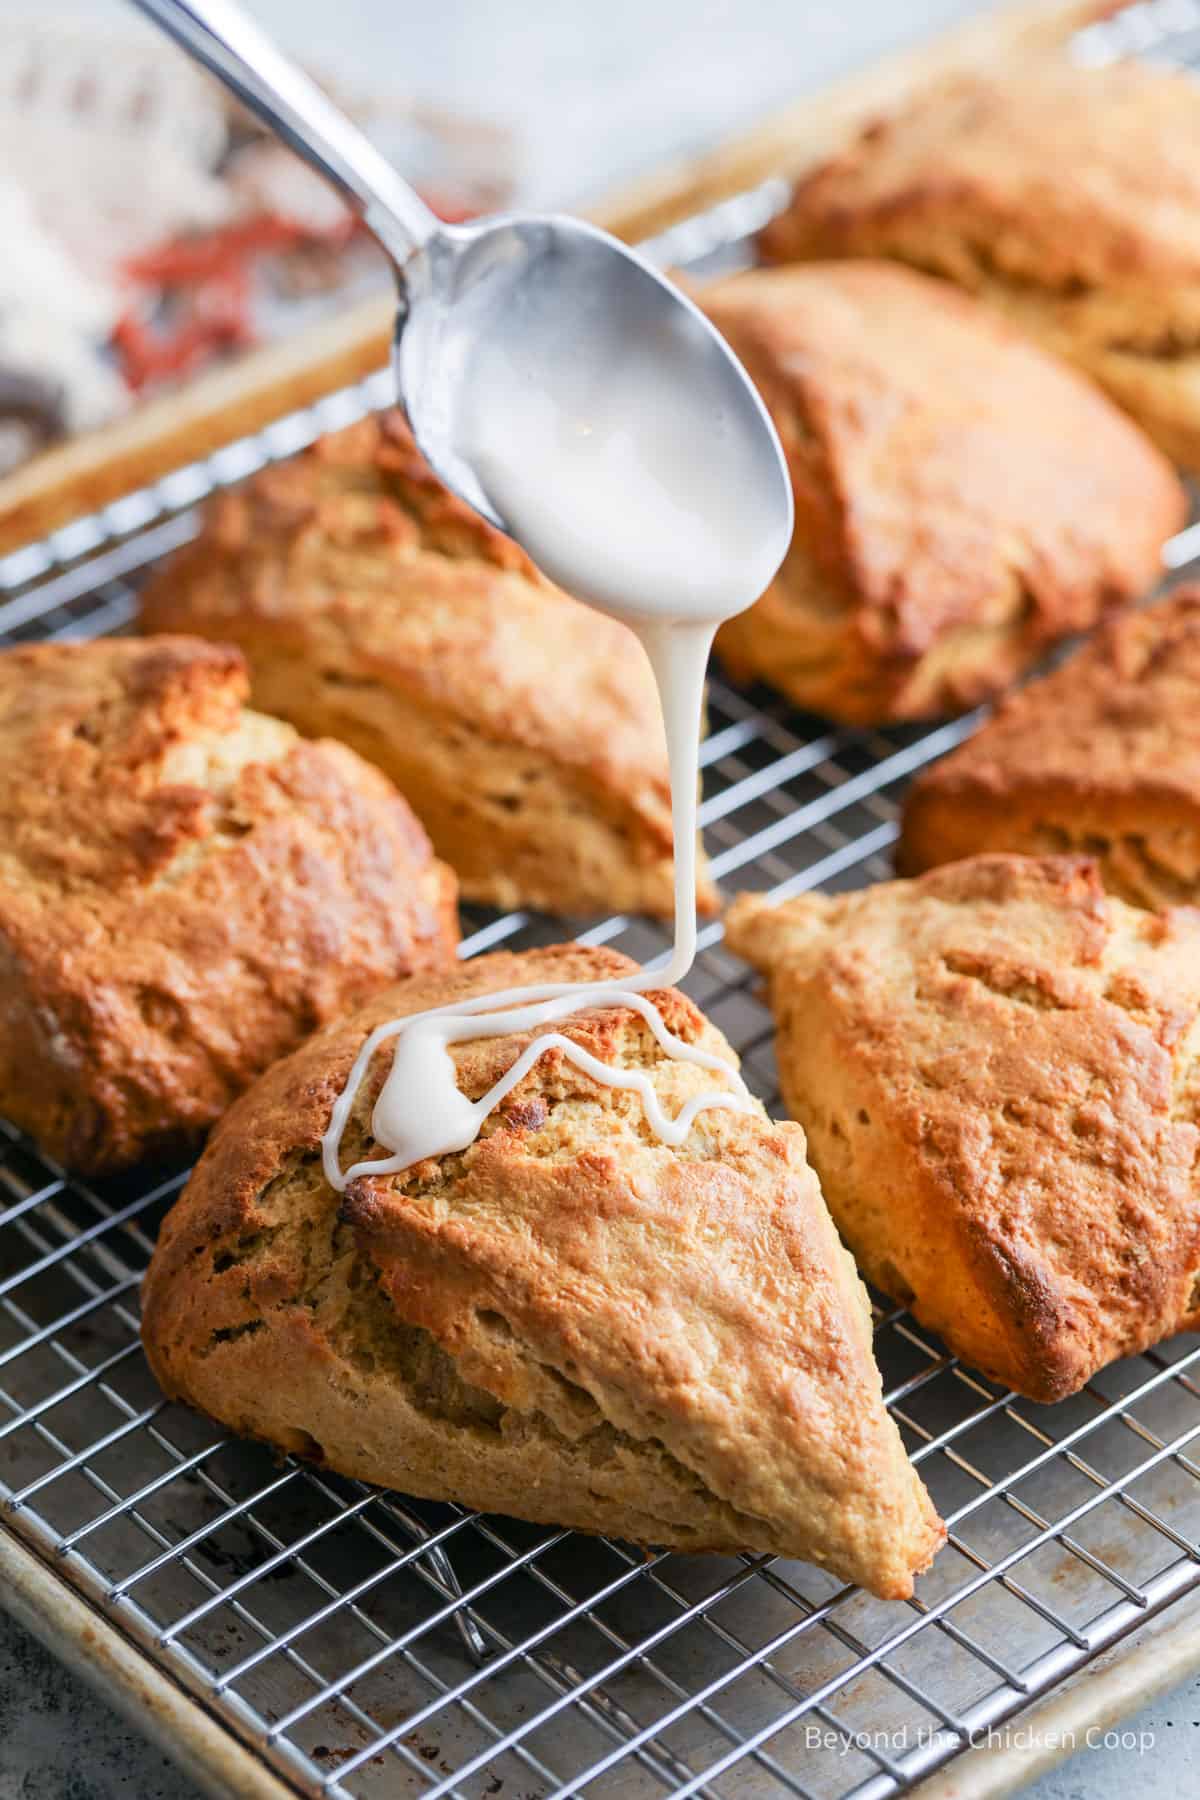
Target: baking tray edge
(92, 1648)
(99, 467)
(1137, 1669)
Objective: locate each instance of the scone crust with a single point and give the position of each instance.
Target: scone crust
(186, 889)
(543, 1325)
(962, 499)
(1069, 197)
(996, 1067)
(1102, 757)
(375, 606)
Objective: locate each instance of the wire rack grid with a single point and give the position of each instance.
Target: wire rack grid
(362, 1644)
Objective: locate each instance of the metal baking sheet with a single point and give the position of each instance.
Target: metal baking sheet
(304, 1634)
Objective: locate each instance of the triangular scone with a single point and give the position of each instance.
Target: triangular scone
(570, 1321)
(187, 890)
(963, 500)
(996, 1068)
(374, 606)
(1065, 196)
(1102, 756)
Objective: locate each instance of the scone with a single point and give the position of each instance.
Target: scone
(1068, 197)
(375, 607)
(1102, 756)
(186, 889)
(569, 1321)
(962, 499)
(996, 1067)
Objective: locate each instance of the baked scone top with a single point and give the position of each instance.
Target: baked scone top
(185, 888)
(669, 1344)
(1122, 716)
(958, 491)
(1083, 183)
(997, 1066)
(357, 549)
(1103, 754)
(114, 755)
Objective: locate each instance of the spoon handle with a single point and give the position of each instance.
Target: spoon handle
(218, 34)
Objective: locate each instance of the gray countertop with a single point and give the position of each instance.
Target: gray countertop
(597, 93)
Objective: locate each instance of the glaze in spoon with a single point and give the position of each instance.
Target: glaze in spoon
(553, 379)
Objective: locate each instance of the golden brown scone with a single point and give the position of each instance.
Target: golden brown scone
(376, 607)
(1068, 197)
(1102, 756)
(962, 500)
(570, 1321)
(186, 890)
(996, 1067)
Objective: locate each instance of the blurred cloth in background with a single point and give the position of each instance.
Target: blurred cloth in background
(150, 231)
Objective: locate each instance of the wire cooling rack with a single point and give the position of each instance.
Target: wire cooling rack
(364, 1645)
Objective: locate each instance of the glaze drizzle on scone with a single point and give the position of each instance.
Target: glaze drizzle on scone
(569, 1321)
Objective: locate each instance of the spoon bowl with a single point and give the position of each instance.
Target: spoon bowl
(573, 396)
(555, 380)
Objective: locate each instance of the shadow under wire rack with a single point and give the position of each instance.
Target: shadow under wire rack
(360, 1644)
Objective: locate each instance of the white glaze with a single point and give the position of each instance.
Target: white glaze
(608, 503)
(614, 491)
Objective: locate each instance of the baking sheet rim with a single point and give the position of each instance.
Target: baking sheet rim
(1139, 1667)
(53, 1610)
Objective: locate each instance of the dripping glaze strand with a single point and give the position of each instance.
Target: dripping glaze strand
(421, 1111)
(630, 522)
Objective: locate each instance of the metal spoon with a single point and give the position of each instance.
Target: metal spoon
(548, 303)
